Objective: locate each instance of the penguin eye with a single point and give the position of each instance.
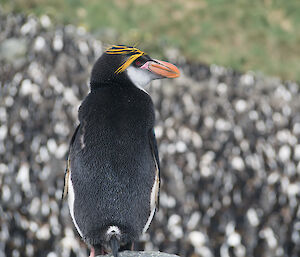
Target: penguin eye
(138, 63)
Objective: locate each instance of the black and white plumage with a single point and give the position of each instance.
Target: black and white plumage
(112, 175)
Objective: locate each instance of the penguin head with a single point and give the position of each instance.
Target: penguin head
(125, 64)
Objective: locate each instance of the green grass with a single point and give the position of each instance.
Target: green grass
(242, 34)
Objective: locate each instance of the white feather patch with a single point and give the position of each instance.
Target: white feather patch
(71, 200)
(113, 230)
(153, 199)
(140, 78)
(82, 144)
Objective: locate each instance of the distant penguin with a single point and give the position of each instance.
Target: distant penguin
(112, 175)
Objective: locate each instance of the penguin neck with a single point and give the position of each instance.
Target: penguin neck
(109, 84)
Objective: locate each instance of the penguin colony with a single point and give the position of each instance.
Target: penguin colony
(112, 174)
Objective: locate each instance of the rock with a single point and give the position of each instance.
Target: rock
(141, 254)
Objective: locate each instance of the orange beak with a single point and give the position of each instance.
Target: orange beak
(164, 69)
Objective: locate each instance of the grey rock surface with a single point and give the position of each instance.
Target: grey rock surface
(228, 143)
(141, 254)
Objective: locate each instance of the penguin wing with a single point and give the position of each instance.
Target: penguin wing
(68, 168)
(154, 150)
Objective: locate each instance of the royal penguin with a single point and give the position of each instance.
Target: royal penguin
(112, 177)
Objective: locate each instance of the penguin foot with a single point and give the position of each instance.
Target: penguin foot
(95, 251)
(92, 253)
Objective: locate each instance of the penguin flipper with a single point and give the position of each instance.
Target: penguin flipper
(68, 168)
(154, 150)
(66, 181)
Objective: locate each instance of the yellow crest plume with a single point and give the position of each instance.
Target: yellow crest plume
(127, 50)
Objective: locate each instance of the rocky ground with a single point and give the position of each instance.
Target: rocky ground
(141, 254)
(228, 142)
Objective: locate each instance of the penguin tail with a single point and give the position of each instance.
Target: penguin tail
(114, 244)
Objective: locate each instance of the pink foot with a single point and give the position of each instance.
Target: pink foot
(92, 254)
